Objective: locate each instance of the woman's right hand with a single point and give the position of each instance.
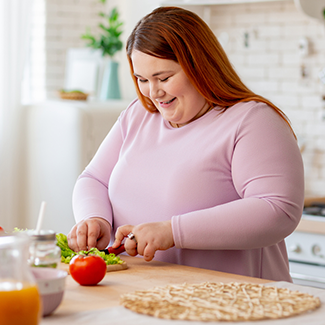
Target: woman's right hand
(89, 233)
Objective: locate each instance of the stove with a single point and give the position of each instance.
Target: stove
(306, 251)
(317, 210)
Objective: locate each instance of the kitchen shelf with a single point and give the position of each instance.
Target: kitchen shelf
(212, 2)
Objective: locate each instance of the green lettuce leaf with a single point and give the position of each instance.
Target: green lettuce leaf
(67, 253)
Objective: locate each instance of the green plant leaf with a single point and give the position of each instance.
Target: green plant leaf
(108, 41)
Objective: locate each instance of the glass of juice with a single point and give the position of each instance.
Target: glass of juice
(20, 301)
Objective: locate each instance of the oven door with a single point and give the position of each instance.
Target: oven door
(312, 275)
(307, 258)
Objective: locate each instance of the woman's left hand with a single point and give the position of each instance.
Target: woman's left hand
(148, 238)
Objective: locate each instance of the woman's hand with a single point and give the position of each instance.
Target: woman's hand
(89, 233)
(149, 237)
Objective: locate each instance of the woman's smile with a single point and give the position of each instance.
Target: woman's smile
(167, 104)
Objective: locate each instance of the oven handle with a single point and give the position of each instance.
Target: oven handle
(307, 277)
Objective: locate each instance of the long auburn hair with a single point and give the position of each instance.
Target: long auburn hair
(180, 35)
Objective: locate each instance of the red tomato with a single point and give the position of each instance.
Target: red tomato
(87, 270)
(1, 229)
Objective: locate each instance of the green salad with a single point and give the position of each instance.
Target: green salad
(67, 253)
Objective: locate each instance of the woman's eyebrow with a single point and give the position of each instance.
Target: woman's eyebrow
(154, 75)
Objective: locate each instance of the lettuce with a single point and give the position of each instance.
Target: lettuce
(67, 253)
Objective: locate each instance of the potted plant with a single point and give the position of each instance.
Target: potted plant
(108, 42)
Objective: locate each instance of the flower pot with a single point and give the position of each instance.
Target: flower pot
(110, 88)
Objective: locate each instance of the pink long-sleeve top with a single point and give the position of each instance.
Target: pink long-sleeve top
(231, 183)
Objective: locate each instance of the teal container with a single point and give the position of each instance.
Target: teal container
(110, 88)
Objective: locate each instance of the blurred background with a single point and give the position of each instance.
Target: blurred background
(276, 46)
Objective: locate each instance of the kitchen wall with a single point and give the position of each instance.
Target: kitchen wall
(262, 41)
(64, 22)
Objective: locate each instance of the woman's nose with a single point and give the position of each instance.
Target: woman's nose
(155, 91)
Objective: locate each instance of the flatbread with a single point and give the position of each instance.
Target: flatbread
(116, 267)
(219, 302)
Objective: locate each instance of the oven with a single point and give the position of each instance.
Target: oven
(306, 248)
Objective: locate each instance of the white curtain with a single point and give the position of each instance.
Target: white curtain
(14, 40)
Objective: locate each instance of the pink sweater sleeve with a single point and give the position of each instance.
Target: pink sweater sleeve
(271, 187)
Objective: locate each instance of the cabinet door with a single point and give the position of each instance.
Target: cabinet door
(62, 138)
(54, 159)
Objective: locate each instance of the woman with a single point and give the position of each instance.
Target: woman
(199, 170)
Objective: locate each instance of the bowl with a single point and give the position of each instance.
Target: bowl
(51, 285)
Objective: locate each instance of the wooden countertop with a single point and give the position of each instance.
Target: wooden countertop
(139, 275)
(311, 226)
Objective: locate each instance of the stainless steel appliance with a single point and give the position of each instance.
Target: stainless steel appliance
(306, 249)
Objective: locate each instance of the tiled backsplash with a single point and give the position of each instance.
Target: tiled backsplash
(262, 41)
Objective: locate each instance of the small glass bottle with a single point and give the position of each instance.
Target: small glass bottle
(43, 251)
(20, 301)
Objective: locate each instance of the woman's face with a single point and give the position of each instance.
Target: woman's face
(166, 84)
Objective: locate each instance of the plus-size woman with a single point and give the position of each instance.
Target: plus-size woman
(199, 169)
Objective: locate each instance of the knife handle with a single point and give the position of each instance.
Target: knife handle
(115, 251)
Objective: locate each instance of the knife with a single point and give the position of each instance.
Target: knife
(116, 251)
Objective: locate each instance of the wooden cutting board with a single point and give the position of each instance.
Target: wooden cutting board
(110, 268)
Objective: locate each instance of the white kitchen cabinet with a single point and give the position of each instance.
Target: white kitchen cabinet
(203, 7)
(62, 137)
(211, 2)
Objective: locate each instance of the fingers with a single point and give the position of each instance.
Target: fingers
(103, 241)
(94, 232)
(149, 253)
(130, 245)
(99, 233)
(73, 238)
(87, 236)
(120, 234)
(148, 249)
(152, 237)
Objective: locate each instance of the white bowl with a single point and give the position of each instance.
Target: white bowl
(51, 284)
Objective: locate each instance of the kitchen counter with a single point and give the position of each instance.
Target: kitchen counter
(138, 276)
(310, 224)
(100, 304)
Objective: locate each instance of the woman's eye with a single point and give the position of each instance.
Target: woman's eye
(142, 80)
(162, 80)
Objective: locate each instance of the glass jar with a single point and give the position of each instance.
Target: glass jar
(20, 301)
(43, 251)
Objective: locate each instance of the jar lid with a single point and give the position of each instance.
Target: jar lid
(43, 235)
